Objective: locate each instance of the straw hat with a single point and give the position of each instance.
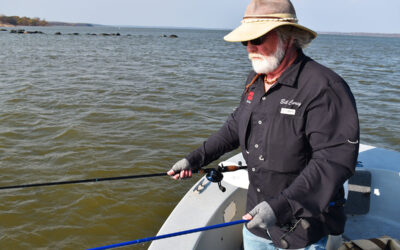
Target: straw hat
(262, 16)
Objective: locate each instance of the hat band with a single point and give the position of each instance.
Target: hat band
(254, 19)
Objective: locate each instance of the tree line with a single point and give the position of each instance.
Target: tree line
(22, 21)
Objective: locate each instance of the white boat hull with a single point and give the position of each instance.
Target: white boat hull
(204, 205)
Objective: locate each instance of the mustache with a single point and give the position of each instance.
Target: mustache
(253, 56)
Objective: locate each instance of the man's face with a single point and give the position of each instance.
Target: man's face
(267, 56)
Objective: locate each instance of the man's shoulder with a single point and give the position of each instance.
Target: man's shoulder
(319, 76)
(315, 71)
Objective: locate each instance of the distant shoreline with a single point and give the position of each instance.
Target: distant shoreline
(361, 34)
(49, 24)
(16, 21)
(71, 24)
(55, 23)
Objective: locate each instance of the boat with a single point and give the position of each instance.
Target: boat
(372, 205)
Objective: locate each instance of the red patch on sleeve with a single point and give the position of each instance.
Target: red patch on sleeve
(250, 96)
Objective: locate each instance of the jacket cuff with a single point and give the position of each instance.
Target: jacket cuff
(194, 159)
(282, 209)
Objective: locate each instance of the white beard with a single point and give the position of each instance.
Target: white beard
(267, 64)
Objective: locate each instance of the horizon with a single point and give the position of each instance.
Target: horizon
(355, 16)
(194, 28)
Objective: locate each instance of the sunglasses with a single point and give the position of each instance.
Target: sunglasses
(255, 42)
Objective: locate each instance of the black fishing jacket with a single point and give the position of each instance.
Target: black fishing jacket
(300, 141)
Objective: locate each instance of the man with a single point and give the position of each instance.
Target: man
(298, 130)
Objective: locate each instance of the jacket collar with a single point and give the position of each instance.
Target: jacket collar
(290, 75)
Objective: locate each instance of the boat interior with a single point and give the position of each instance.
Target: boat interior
(372, 205)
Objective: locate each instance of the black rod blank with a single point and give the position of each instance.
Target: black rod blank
(83, 181)
(206, 170)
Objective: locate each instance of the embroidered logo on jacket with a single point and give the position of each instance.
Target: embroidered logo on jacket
(290, 102)
(292, 105)
(250, 96)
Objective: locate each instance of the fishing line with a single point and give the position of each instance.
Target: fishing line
(227, 224)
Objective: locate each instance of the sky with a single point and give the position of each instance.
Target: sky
(370, 16)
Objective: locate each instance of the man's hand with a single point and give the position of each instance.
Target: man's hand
(261, 216)
(180, 170)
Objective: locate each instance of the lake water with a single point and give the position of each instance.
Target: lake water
(83, 106)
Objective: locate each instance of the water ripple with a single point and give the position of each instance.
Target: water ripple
(76, 107)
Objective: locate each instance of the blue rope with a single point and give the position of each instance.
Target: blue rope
(170, 235)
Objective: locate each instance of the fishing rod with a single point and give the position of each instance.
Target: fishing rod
(227, 224)
(213, 175)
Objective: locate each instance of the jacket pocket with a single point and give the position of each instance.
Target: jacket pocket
(286, 145)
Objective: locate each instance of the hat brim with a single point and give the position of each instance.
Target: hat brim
(252, 30)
